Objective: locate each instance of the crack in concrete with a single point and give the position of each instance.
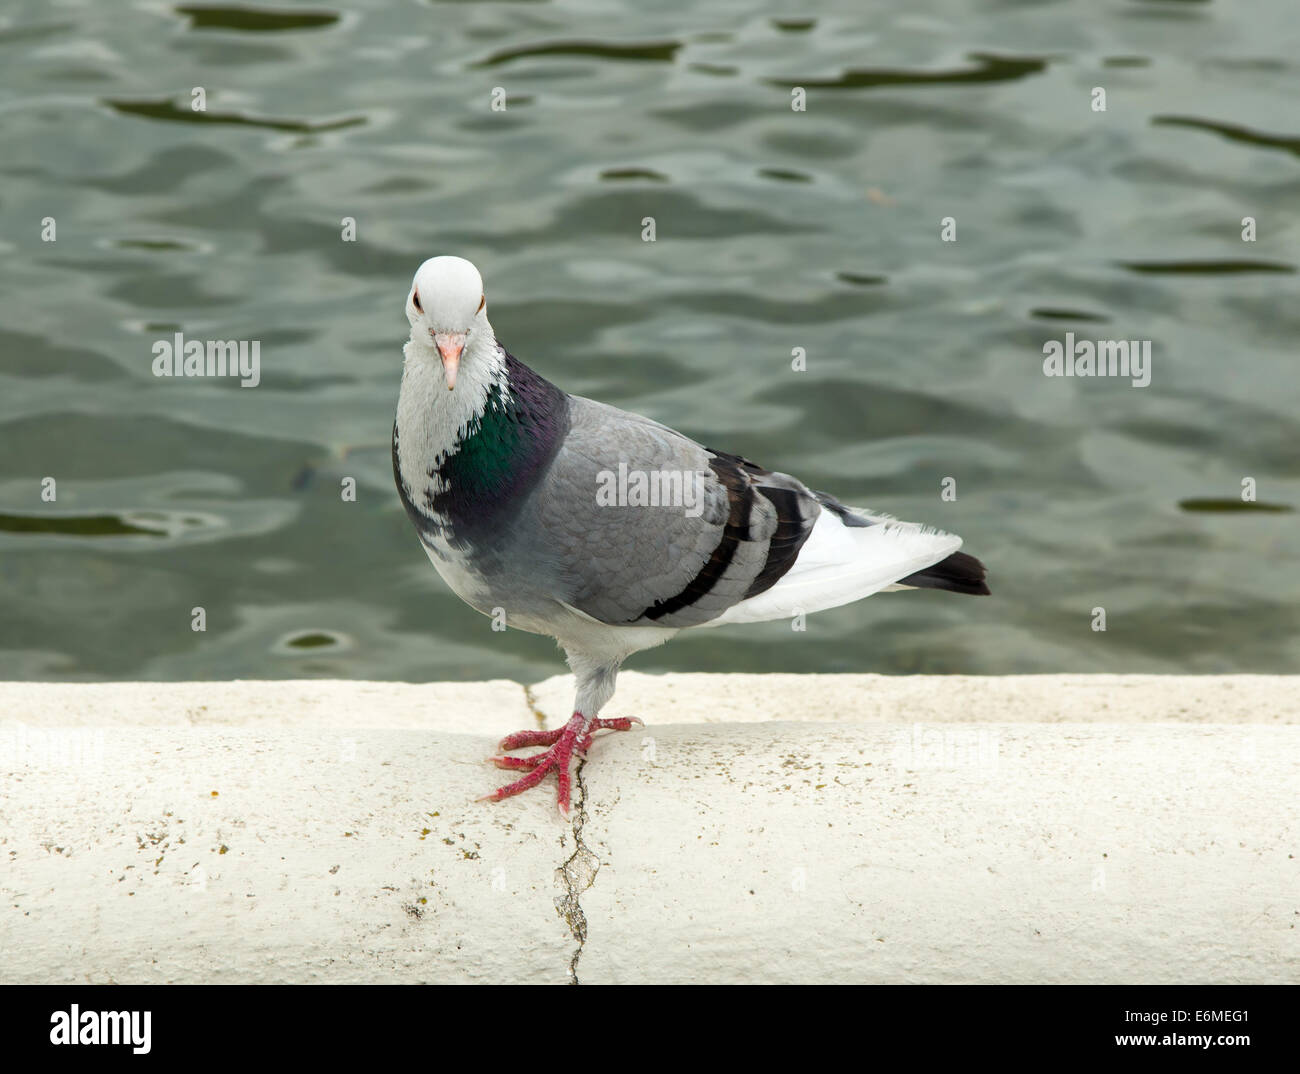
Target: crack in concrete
(530, 699)
(577, 874)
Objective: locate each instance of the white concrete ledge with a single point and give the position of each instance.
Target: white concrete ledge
(1068, 828)
(705, 698)
(498, 706)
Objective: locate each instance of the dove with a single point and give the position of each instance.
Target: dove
(606, 530)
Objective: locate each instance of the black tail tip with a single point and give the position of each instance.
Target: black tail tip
(959, 573)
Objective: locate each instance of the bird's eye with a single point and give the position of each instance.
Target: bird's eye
(481, 303)
(415, 297)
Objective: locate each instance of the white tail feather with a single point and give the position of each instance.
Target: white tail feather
(839, 564)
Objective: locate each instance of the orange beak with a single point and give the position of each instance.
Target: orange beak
(449, 345)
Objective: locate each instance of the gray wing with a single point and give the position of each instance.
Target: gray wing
(671, 564)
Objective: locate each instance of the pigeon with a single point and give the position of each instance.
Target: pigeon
(606, 530)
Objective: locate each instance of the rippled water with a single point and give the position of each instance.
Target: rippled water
(776, 229)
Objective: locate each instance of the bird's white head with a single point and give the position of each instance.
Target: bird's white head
(447, 305)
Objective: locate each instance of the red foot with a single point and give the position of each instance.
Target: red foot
(573, 737)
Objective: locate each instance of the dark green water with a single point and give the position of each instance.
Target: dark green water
(776, 229)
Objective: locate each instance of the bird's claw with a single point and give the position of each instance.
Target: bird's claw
(573, 738)
(517, 762)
